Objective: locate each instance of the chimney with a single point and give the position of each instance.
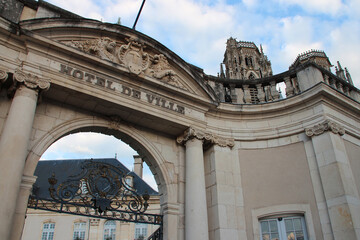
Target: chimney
(138, 165)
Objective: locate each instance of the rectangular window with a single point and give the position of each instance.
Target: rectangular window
(140, 231)
(79, 231)
(283, 228)
(48, 231)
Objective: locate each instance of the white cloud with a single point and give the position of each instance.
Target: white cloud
(344, 43)
(197, 30)
(250, 3)
(85, 8)
(149, 179)
(323, 6)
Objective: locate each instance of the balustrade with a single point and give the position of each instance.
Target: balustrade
(264, 90)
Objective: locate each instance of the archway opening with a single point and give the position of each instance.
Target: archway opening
(89, 145)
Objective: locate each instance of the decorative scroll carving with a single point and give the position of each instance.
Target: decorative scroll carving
(115, 122)
(327, 125)
(3, 76)
(206, 136)
(31, 81)
(133, 57)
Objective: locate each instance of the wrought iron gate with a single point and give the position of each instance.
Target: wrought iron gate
(99, 190)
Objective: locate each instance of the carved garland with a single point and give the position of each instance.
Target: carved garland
(201, 135)
(327, 125)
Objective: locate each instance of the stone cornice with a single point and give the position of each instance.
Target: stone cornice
(327, 125)
(205, 136)
(31, 81)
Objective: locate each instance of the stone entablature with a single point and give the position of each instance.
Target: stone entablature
(205, 136)
(327, 125)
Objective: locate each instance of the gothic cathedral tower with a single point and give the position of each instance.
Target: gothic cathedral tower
(243, 60)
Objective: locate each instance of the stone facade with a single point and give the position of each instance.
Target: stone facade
(229, 155)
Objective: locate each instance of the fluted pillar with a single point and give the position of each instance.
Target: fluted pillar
(14, 143)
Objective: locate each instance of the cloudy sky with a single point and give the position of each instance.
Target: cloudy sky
(197, 31)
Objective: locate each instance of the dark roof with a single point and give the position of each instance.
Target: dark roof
(63, 169)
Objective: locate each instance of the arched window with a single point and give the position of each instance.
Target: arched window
(48, 231)
(109, 230)
(251, 76)
(283, 228)
(79, 231)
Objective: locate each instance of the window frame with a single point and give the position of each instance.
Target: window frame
(48, 230)
(79, 229)
(107, 227)
(140, 227)
(284, 209)
(281, 225)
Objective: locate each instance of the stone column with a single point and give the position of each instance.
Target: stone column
(340, 191)
(14, 143)
(196, 216)
(21, 206)
(196, 224)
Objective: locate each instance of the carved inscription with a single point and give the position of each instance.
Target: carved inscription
(126, 90)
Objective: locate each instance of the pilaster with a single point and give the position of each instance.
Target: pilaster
(224, 194)
(341, 195)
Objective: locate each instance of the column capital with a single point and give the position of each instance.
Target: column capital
(31, 81)
(191, 133)
(327, 125)
(3, 76)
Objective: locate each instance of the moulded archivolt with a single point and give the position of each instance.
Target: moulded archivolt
(327, 125)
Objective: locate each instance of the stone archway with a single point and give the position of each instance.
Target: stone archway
(149, 152)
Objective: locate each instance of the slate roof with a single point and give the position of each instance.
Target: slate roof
(63, 169)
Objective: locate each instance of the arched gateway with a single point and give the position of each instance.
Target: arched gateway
(233, 158)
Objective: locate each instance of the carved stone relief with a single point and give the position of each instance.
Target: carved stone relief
(132, 56)
(31, 81)
(327, 125)
(206, 136)
(3, 76)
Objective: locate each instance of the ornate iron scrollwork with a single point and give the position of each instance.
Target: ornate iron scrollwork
(101, 186)
(100, 190)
